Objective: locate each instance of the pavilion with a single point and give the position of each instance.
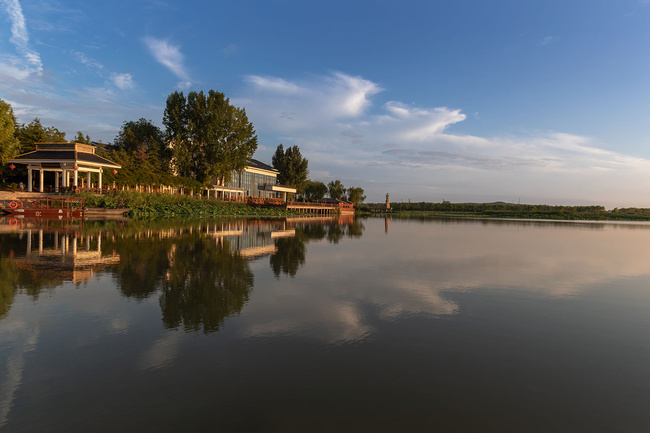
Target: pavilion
(65, 159)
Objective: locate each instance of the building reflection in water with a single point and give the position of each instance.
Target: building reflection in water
(199, 269)
(60, 252)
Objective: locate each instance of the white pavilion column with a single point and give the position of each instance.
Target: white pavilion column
(99, 179)
(41, 184)
(29, 178)
(64, 178)
(76, 178)
(56, 181)
(88, 180)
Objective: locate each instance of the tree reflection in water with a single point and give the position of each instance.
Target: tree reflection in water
(290, 253)
(289, 256)
(200, 269)
(205, 284)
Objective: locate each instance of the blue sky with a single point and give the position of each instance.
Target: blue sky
(463, 100)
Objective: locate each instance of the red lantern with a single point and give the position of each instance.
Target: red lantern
(76, 167)
(114, 172)
(12, 167)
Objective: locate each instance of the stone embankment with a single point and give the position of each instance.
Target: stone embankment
(7, 195)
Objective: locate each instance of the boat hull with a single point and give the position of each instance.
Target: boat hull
(48, 213)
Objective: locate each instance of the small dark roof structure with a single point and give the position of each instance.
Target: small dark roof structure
(64, 159)
(254, 163)
(65, 153)
(333, 201)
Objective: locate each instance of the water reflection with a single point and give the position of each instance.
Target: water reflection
(462, 316)
(204, 284)
(199, 269)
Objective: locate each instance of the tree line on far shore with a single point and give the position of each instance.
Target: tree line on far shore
(205, 140)
(513, 210)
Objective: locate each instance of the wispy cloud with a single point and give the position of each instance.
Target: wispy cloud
(349, 136)
(85, 60)
(28, 61)
(169, 56)
(123, 81)
(546, 40)
(230, 49)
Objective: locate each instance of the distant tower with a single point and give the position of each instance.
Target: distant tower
(387, 202)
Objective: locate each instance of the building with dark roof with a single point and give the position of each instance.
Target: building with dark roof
(66, 160)
(256, 180)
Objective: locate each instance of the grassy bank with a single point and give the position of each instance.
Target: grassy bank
(506, 210)
(144, 205)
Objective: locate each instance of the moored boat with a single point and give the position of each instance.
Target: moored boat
(46, 207)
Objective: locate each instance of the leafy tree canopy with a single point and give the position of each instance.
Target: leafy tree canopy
(80, 138)
(210, 138)
(140, 135)
(336, 190)
(355, 195)
(9, 144)
(314, 191)
(34, 132)
(293, 167)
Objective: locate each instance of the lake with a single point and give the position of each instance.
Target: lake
(324, 325)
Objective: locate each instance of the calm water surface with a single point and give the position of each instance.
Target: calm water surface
(348, 325)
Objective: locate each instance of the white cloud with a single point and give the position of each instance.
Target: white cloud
(546, 40)
(230, 49)
(273, 84)
(123, 81)
(169, 56)
(412, 151)
(85, 60)
(352, 94)
(28, 61)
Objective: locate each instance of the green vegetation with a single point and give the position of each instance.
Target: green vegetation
(355, 195)
(210, 138)
(9, 144)
(144, 205)
(293, 167)
(336, 190)
(314, 190)
(508, 210)
(205, 139)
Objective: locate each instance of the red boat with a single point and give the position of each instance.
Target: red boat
(47, 207)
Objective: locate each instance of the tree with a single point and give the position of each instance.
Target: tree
(292, 166)
(314, 191)
(355, 195)
(9, 144)
(140, 135)
(35, 132)
(277, 160)
(143, 137)
(210, 138)
(80, 138)
(336, 190)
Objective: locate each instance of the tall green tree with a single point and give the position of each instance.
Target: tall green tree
(336, 190)
(210, 137)
(9, 144)
(34, 132)
(143, 137)
(314, 191)
(293, 167)
(355, 195)
(80, 138)
(141, 134)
